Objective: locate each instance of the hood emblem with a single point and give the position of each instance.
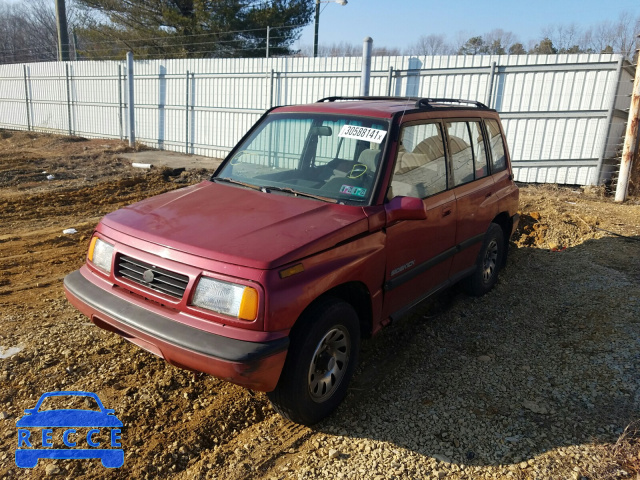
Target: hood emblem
(148, 276)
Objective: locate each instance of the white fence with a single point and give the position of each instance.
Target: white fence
(564, 115)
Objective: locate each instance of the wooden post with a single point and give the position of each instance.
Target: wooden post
(630, 141)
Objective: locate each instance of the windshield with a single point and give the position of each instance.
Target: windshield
(326, 157)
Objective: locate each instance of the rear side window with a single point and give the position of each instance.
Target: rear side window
(496, 144)
(461, 152)
(479, 151)
(421, 166)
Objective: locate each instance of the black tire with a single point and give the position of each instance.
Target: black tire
(488, 264)
(322, 356)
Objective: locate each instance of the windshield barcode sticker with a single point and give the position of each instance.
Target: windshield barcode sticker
(362, 133)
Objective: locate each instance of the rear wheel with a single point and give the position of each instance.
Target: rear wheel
(320, 363)
(488, 264)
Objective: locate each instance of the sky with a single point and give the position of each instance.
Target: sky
(399, 23)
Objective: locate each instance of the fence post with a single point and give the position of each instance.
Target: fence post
(268, 34)
(66, 72)
(132, 116)
(186, 118)
(630, 138)
(120, 100)
(366, 66)
(389, 80)
(26, 96)
(271, 89)
(492, 74)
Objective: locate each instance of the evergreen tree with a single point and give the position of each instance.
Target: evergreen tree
(192, 28)
(545, 47)
(473, 46)
(517, 49)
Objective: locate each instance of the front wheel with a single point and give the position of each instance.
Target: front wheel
(320, 363)
(488, 263)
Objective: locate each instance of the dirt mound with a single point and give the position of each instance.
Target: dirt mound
(557, 218)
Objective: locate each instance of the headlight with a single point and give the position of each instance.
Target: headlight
(227, 298)
(100, 253)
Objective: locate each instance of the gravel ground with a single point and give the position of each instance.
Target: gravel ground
(536, 380)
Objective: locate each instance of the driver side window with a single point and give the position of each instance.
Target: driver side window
(421, 165)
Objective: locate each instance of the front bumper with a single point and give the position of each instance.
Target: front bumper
(255, 365)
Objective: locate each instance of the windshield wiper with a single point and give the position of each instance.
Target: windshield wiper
(236, 182)
(267, 188)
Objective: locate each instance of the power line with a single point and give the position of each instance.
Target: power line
(226, 47)
(169, 37)
(205, 34)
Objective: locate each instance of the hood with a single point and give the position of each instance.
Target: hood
(237, 225)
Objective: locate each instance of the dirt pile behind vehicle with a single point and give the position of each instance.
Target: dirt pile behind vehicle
(557, 218)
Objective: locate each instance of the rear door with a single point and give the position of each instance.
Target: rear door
(419, 252)
(474, 190)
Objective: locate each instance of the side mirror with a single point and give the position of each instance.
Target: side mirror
(404, 208)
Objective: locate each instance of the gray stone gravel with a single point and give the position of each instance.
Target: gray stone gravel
(526, 382)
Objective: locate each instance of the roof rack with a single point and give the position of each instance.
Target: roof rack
(333, 99)
(419, 102)
(428, 102)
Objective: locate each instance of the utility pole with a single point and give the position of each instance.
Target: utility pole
(317, 21)
(316, 27)
(63, 34)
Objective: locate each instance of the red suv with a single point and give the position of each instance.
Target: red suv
(325, 222)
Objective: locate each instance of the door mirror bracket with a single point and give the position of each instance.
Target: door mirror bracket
(404, 208)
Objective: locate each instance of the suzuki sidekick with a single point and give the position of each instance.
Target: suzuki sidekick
(326, 222)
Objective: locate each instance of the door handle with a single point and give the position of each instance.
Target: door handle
(488, 195)
(446, 211)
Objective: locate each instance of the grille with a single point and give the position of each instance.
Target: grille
(163, 281)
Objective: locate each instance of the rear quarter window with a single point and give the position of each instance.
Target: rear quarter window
(460, 147)
(496, 145)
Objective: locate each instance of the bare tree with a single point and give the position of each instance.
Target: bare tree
(608, 36)
(28, 31)
(600, 37)
(344, 49)
(460, 40)
(13, 44)
(385, 52)
(430, 45)
(625, 31)
(341, 49)
(565, 38)
(499, 41)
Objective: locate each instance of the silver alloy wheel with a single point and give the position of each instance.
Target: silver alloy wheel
(490, 260)
(329, 363)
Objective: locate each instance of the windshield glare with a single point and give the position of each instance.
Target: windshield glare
(331, 156)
